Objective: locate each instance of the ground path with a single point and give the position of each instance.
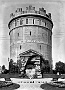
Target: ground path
(26, 84)
(30, 86)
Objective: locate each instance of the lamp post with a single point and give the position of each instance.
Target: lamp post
(8, 63)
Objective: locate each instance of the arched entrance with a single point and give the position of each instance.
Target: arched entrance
(31, 63)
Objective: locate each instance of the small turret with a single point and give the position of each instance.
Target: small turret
(18, 10)
(42, 11)
(12, 15)
(49, 14)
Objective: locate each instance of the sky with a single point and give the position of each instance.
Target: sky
(57, 10)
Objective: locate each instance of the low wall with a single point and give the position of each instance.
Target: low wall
(15, 80)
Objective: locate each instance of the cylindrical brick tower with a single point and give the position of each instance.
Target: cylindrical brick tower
(31, 30)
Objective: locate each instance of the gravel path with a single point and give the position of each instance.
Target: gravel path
(26, 84)
(30, 86)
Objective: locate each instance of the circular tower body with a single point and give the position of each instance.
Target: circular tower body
(31, 30)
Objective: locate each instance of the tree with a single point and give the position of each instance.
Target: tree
(6, 71)
(45, 67)
(3, 67)
(10, 66)
(60, 67)
(42, 69)
(54, 71)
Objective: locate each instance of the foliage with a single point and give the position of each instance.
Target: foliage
(13, 68)
(45, 67)
(3, 67)
(60, 67)
(54, 72)
(4, 70)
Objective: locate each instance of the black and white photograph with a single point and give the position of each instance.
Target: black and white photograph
(32, 44)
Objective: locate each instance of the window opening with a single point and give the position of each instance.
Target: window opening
(39, 22)
(27, 21)
(20, 46)
(40, 47)
(50, 37)
(33, 21)
(15, 22)
(45, 23)
(30, 33)
(18, 34)
(21, 22)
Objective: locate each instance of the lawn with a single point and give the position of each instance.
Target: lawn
(9, 75)
(49, 87)
(11, 87)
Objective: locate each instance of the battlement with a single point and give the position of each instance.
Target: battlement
(30, 9)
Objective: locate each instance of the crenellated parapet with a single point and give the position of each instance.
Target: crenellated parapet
(30, 10)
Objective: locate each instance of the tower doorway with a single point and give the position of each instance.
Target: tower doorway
(31, 63)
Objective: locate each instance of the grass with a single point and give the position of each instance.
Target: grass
(49, 87)
(11, 87)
